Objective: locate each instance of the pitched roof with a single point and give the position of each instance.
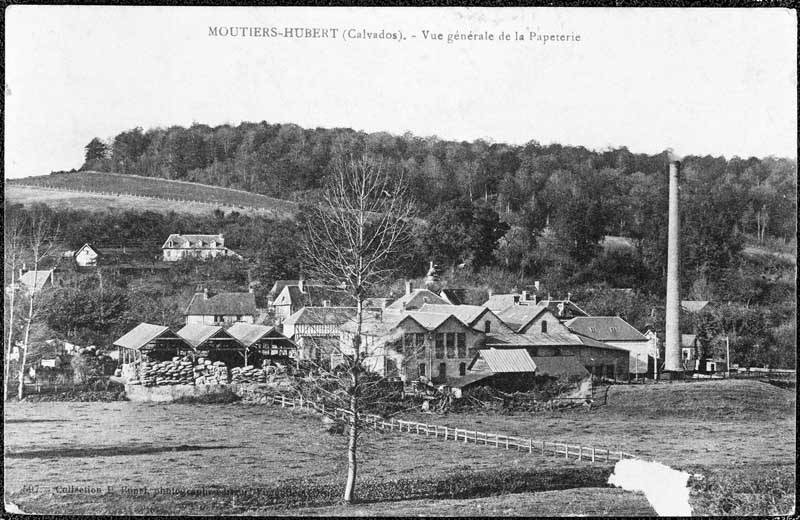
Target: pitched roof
(454, 296)
(559, 366)
(543, 339)
(466, 380)
(196, 333)
(687, 340)
(498, 302)
(517, 316)
(228, 303)
(507, 360)
(466, 313)
(248, 333)
(40, 277)
(564, 309)
(142, 334)
(694, 305)
(321, 316)
(310, 296)
(193, 241)
(278, 286)
(605, 328)
(87, 246)
(533, 339)
(416, 299)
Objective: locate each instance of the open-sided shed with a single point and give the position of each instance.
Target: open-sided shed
(262, 341)
(154, 341)
(214, 343)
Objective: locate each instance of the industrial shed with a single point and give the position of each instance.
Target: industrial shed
(517, 370)
(155, 342)
(214, 343)
(262, 342)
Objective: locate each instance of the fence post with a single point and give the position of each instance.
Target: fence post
(620, 455)
(530, 445)
(445, 433)
(566, 451)
(283, 401)
(506, 441)
(592, 453)
(580, 453)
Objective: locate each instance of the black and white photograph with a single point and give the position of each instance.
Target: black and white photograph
(400, 261)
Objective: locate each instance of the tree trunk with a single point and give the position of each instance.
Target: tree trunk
(7, 364)
(23, 359)
(352, 440)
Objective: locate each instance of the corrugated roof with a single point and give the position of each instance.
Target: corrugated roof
(605, 328)
(466, 313)
(517, 316)
(229, 303)
(141, 335)
(559, 366)
(196, 333)
(508, 360)
(694, 305)
(416, 299)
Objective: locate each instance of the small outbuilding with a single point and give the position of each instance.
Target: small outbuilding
(214, 343)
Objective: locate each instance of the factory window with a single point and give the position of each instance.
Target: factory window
(439, 345)
(422, 369)
(442, 370)
(451, 345)
(544, 326)
(487, 326)
(462, 369)
(461, 344)
(407, 347)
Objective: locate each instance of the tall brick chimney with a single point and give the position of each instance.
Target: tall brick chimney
(672, 344)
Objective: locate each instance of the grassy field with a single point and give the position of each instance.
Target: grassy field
(731, 429)
(743, 431)
(226, 459)
(117, 190)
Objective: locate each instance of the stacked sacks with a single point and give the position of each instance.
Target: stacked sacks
(175, 372)
(208, 373)
(248, 375)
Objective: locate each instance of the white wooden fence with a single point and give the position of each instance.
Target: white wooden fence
(466, 436)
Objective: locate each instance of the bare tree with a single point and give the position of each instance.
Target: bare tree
(12, 243)
(41, 244)
(363, 220)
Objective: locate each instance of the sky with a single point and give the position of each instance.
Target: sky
(701, 81)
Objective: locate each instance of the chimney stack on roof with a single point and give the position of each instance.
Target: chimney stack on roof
(536, 285)
(524, 296)
(205, 293)
(409, 286)
(300, 285)
(569, 296)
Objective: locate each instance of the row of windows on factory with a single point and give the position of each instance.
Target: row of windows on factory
(450, 344)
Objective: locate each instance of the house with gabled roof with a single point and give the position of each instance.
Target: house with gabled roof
(413, 299)
(414, 344)
(614, 331)
(292, 298)
(262, 342)
(221, 308)
(86, 256)
(179, 246)
(476, 316)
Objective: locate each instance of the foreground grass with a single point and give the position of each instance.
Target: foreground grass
(140, 458)
(740, 435)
